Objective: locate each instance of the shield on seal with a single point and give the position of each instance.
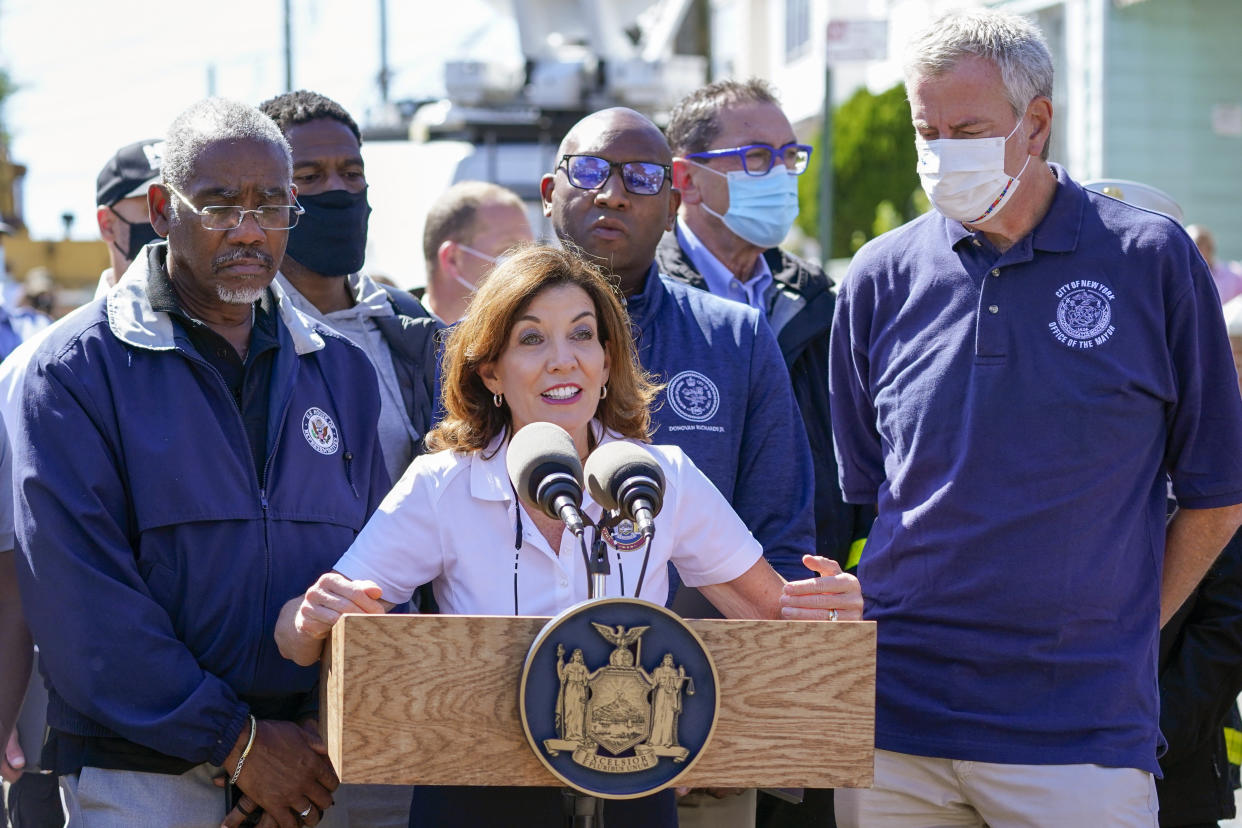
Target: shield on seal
(618, 715)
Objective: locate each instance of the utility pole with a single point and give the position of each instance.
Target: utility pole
(383, 50)
(825, 173)
(288, 47)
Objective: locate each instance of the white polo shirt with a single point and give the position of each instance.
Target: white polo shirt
(452, 521)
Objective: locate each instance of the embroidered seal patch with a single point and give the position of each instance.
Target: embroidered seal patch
(623, 537)
(693, 396)
(320, 431)
(1084, 316)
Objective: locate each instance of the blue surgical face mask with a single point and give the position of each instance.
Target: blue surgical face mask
(762, 208)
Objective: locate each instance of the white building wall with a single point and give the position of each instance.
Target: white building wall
(749, 39)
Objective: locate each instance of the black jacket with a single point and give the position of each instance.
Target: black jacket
(412, 336)
(799, 309)
(1200, 678)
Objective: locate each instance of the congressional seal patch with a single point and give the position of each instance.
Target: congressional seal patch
(693, 396)
(1084, 316)
(618, 697)
(320, 431)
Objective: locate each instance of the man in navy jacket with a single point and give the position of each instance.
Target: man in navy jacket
(186, 461)
(728, 402)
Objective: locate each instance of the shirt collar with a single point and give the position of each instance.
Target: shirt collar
(164, 299)
(1059, 229)
(489, 477)
(644, 305)
(719, 277)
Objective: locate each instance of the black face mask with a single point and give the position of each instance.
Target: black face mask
(331, 236)
(141, 233)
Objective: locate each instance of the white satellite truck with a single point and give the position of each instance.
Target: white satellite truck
(501, 121)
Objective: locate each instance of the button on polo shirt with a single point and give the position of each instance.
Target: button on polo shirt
(1018, 457)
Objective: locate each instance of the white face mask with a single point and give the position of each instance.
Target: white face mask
(965, 177)
(494, 260)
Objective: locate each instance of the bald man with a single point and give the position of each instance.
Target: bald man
(727, 401)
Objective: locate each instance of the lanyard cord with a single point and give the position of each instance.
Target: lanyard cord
(517, 545)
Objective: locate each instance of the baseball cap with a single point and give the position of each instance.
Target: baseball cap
(130, 172)
(1138, 194)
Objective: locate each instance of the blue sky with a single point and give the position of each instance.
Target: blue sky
(95, 75)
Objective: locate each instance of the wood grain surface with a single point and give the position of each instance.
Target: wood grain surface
(434, 700)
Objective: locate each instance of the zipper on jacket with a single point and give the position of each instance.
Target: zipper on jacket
(262, 485)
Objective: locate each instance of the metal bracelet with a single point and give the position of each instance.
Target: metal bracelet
(254, 726)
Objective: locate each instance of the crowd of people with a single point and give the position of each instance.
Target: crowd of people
(1012, 437)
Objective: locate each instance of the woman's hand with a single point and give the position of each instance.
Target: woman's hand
(306, 620)
(814, 599)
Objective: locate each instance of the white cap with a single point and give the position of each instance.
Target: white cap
(1138, 194)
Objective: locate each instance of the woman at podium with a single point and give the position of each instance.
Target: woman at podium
(545, 339)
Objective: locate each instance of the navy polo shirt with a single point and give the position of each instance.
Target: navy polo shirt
(1015, 417)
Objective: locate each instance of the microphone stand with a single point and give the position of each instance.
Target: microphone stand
(583, 810)
(597, 566)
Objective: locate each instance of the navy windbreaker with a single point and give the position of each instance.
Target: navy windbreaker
(153, 562)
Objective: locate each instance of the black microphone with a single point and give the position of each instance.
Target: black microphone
(625, 478)
(546, 473)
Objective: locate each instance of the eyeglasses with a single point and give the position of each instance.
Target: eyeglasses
(589, 172)
(230, 216)
(759, 159)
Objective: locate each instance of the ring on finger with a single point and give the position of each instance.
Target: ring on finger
(305, 812)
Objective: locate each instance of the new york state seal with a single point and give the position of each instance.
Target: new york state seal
(606, 717)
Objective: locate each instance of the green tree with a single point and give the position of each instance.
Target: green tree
(873, 162)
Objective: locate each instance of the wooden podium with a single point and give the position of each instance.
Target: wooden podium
(433, 700)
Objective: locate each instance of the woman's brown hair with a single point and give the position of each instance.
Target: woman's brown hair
(472, 421)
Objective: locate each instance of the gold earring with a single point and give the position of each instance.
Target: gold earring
(603, 392)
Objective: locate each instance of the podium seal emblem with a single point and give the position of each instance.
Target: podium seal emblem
(618, 697)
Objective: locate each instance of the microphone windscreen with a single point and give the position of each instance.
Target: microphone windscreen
(535, 451)
(612, 464)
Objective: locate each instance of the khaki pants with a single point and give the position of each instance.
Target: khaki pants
(99, 798)
(920, 791)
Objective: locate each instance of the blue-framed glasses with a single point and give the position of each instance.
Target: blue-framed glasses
(590, 172)
(759, 159)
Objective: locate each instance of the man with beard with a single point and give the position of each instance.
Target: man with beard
(186, 460)
(320, 269)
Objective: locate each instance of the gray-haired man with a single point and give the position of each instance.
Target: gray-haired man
(166, 438)
(1017, 376)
